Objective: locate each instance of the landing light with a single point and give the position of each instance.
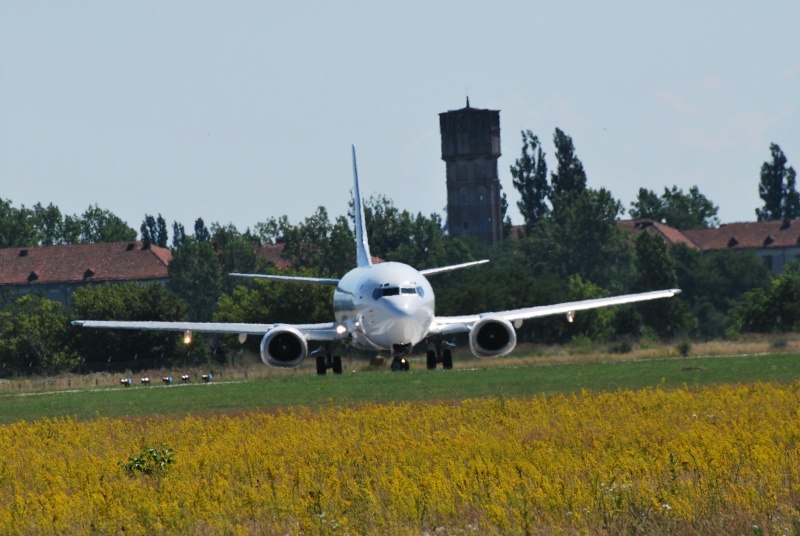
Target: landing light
(341, 329)
(570, 316)
(187, 337)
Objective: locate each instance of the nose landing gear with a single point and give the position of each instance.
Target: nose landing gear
(400, 363)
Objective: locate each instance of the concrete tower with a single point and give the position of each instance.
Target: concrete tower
(470, 149)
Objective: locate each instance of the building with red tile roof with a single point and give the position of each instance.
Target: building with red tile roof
(57, 271)
(669, 234)
(776, 242)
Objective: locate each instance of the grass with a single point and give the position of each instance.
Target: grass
(513, 378)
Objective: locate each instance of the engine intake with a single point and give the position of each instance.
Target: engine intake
(492, 337)
(283, 348)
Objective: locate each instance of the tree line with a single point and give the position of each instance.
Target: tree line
(569, 248)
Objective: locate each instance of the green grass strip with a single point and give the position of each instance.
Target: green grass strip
(384, 386)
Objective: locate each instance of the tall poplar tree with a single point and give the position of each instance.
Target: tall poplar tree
(778, 189)
(569, 178)
(529, 174)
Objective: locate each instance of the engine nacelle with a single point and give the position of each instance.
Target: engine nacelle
(492, 337)
(283, 347)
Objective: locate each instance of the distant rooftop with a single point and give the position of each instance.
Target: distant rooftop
(83, 263)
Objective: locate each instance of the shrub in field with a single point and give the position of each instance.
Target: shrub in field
(149, 461)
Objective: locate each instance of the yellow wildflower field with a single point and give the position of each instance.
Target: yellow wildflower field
(715, 460)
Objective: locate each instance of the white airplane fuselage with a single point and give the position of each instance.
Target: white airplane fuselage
(386, 306)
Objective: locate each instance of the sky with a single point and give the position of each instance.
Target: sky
(239, 111)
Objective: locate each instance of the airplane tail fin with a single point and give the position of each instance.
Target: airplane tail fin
(363, 256)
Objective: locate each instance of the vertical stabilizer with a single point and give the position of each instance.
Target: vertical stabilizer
(363, 256)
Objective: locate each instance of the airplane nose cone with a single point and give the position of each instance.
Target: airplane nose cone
(397, 321)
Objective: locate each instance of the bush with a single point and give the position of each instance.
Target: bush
(623, 346)
(149, 462)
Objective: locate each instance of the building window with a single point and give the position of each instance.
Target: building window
(767, 261)
(463, 196)
(481, 194)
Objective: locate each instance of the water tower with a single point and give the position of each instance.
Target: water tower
(470, 149)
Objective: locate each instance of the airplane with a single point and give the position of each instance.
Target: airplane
(385, 306)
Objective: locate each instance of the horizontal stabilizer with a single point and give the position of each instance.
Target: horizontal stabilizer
(434, 271)
(291, 279)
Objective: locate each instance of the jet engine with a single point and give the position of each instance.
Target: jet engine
(283, 347)
(492, 337)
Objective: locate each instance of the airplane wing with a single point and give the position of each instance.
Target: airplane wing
(460, 324)
(291, 279)
(434, 271)
(312, 332)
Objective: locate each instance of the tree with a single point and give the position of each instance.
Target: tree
(128, 349)
(529, 175)
(236, 251)
(271, 231)
(715, 283)
(583, 239)
(775, 309)
(201, 233)
(49, 224)
(569, 179)
(178, 235)
(195, 276)
(595, 324)
(148, 229)
(98, 225)
(655, 270)
(16, 226)
(319, 245)
(777, 189)
(36, 338)
(269, 302)
(676, 208)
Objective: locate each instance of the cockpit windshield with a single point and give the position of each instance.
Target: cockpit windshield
(383, 292)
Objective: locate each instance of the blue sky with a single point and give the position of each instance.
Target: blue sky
(239, 111)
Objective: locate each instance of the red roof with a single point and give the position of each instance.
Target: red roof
(669, 234)
(83, 263)
(749, 235)
(273, 252)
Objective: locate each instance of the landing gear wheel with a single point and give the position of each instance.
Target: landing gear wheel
(400, 363)
(337, 364)
(447, 359)
(322, 367)
(431, 360)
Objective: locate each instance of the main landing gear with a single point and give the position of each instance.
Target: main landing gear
(439, 354)
(325, 362)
